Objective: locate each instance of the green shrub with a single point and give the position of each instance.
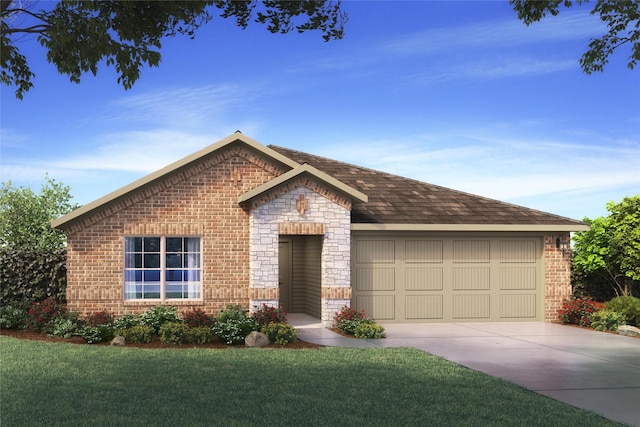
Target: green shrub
(201, 335)
(42, 314)
(32, 275)
(280, 333)
(96, 334)
(66, 327)
(232, 325)
(14, 315)
(606, 320)
(137, 333)
(627, 305)
(369, 330)
(128, 321)
(197, 318)
(268, 314)
(159, 315)
(174, 333)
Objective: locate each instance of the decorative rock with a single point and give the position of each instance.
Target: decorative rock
(256, 339)
(628, 330)
(117, 341)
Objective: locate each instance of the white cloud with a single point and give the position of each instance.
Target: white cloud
(491, 35)
(194, 107)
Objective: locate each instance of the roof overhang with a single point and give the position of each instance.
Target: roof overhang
(306, 169)
(471, 227)
(237, 137)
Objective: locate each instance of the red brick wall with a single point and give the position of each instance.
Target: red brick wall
(200, 200)
(557, 276)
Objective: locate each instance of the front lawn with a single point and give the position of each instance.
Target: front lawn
(45, 383)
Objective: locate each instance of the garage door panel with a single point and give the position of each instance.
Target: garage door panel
(424, 251)
(375, 251)
(375, 279)
(518, 278)
(472, 306)
(477, 251)
(520, 306)
(423, 307)
(471, 278)
(379, 307)
(424, 279)
(520, 251)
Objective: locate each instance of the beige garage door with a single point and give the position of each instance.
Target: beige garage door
(449, 278)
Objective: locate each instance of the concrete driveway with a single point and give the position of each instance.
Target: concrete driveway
(592, 370)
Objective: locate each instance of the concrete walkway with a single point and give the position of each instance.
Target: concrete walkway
(596, 371)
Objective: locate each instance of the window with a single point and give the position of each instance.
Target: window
(162, 268)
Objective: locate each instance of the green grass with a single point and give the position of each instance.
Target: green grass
(56, 384)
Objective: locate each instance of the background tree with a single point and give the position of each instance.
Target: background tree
(25, 217)
(78, 35)
(610, 250)
(621, 16)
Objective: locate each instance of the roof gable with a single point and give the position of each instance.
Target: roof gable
(305, 169)
(236, 138)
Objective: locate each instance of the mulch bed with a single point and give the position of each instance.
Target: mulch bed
(30, 335)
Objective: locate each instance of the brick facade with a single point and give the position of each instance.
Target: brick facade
(557, 276)
(200, 200)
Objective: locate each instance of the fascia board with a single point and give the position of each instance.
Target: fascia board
(470, 227)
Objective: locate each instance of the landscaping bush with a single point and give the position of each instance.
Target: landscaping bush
(197, 318)
(128, 321)
(353, 322)
(627, 305)
(606, 320)
(42, 314)
(577, 311)
(174, 333)
(159, 315)
(96, 334)
(232, 325)
(32, 275)
(280, 333)
(99, 318)
(14, 315)
(66, 327)
(137, 333)
(347, 318)
(369, 330)
(268, 314)
(201, 335)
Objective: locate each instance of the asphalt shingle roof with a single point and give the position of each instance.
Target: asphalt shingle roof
(397, 200)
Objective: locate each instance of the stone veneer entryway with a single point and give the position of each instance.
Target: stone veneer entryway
(302, 211)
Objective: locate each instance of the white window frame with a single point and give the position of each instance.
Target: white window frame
(162, 268)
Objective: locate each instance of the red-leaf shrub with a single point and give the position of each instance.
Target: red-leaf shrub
(197, 318)
(345, 314)
(577, 311)
(43, 313)
(99, 318)
(268, 314)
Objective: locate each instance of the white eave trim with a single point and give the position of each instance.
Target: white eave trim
(469, 227)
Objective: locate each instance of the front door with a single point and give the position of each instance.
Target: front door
(284, 274)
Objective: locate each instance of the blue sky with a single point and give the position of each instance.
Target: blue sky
(459, 94)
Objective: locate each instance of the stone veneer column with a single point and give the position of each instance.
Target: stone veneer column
(336, 248)
(557, 276)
